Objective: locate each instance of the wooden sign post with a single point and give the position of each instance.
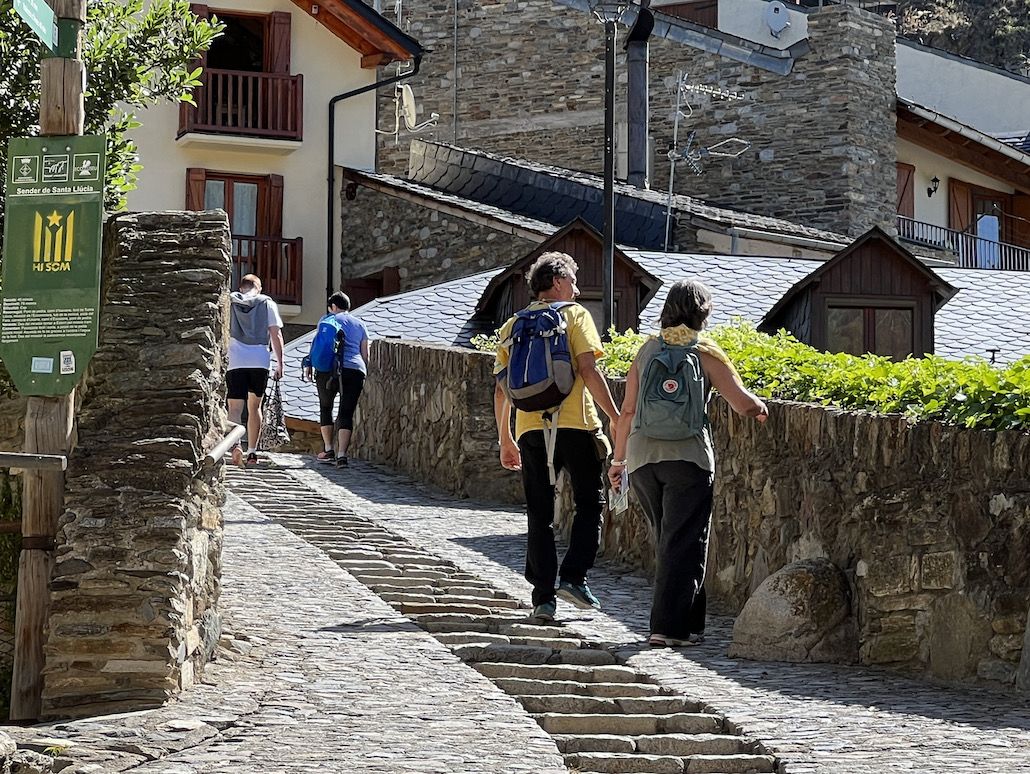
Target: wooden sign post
(49, 421)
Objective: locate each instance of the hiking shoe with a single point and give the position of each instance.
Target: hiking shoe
(579, 595)
(252, 458)
(326, 456)
(341, 461)
(545, 611)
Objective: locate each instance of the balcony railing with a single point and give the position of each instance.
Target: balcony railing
(277, 262)
(972, 252)
(234, 102)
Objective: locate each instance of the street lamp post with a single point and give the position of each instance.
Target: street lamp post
(608, 12)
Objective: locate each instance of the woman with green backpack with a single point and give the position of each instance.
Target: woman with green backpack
(664, 441)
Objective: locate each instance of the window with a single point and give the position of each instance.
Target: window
(858, 329)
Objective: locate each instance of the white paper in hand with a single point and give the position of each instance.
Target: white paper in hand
(619, 501)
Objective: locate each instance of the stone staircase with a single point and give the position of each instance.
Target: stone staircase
(604, 716)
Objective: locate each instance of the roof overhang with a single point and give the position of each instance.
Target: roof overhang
(378, 40)
(964, 144)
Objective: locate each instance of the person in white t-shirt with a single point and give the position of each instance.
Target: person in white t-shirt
(254, 324)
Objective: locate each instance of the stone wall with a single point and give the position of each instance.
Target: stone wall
(136, 579)
(530, 84)
(428, 411)
(426, 246)
(930, 523)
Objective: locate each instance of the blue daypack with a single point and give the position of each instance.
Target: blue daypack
(672, 404)
(326, 353)
(540, 374)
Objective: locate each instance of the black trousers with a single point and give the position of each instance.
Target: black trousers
(677, 498)
(349, 385)
(577, 452)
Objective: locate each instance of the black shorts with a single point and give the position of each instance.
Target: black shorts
(240, 381)
(348, 385)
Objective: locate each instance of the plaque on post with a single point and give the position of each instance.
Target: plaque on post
(50, 297)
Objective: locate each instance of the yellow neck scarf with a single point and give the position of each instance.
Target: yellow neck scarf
(682, 336)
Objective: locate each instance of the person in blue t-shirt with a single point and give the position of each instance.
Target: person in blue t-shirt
(347, 382)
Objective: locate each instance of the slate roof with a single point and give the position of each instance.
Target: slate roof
(558, 196)
(1018, 140)
(990, 310)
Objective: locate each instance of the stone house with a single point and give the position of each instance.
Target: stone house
(257, 143)
(849, 125)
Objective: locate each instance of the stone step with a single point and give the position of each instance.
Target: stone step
(468, 638)
(402, 597)
(524, 687)
(686, 745)
(679, 745)
(372, 579)
(630, 725)
(418, 608)
(571, 673)
(623, 763)
(529, 654)
(729, 764)
(410, 559)
(469, 591)
(579, 704)
(392, 588)
(491, 602)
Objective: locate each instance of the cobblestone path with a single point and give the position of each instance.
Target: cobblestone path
(317, 672)
(813, 718)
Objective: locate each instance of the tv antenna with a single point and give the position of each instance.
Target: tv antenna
(694, 154)
(405, 109)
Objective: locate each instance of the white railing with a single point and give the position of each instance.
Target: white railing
(971, 251)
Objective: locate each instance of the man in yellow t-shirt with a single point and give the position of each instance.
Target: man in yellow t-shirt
(580, 447)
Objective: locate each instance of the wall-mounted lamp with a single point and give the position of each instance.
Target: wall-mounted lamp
(934, 185)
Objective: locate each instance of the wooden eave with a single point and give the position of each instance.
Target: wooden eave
(943, 291)
(946, 142)
(372, 35)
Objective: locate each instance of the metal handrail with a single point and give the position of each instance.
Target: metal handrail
(231, 439)
(971, 251)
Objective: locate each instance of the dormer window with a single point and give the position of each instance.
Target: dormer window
(857, 327)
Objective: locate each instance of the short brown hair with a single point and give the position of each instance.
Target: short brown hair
(250, 281)
(689, 303)
(546, 269)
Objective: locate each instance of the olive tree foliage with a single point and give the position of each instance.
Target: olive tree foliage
(136, 54)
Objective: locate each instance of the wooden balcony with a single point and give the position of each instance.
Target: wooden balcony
(278, 262)
(970, 250)
(247, 104)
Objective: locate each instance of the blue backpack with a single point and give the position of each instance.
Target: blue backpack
(326, 353)
(672, 404)
(539, 375)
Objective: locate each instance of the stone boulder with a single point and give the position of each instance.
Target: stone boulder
(802, 613)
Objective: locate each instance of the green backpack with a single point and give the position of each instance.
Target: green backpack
(672, 403)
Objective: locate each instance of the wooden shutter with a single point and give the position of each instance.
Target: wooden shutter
(272, 219)
(1021, 225)
(906, 190)
(277, 43)
(960, 205)
(196, 181)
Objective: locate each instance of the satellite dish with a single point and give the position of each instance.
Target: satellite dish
(776, 16)
(408, 108)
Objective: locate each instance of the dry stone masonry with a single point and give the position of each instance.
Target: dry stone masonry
(133, 616)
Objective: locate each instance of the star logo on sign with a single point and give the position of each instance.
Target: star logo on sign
(53, 219)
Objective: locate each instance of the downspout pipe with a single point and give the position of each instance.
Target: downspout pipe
(331, 163)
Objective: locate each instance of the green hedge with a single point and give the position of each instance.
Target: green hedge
(970, 392)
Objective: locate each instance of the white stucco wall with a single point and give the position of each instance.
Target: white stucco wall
(982, 97)
(329, 67)
(745, 19)
(929, 165)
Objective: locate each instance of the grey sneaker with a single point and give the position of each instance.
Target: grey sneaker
(546, 611)
(579, 595)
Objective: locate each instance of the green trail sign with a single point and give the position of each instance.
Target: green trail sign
(50, 297)
(40, 17)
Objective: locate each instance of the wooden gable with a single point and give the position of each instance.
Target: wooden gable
(633, 285)
(874, 272)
